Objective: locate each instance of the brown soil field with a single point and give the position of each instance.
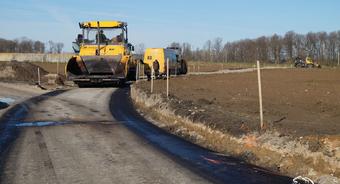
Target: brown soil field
(298, 102)
(221, 112)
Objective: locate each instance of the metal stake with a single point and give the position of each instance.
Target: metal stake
(98, 39)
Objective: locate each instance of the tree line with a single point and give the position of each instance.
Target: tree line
(25, 45)
(323, 47)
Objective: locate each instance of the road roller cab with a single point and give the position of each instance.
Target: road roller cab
(104, 54)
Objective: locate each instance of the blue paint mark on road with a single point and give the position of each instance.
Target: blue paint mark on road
(39, 124)
(7, 100)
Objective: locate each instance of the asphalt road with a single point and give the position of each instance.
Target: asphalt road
(94, 135)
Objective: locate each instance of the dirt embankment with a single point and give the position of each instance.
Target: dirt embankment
(220, 112)
(26, 72)
(52, 67)
(20, 72)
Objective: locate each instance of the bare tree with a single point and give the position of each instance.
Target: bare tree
(310, 44)
(262, 49)
(300, 45)
(51, 46)
(322, 46)
(23, 45)
(289, 43)
(175, 44)
(332, 46)
(225, 52)
(39, 47)
(59, 47)
(7, 45)
(217, 49)
(275, 47)
(207, 51)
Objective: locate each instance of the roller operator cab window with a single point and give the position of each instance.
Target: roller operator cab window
(105, 36)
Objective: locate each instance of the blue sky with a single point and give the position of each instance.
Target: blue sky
(157, 23)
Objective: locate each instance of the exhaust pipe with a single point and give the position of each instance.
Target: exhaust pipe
(98, 39)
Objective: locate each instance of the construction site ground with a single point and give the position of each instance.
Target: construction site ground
(299, 104)
(301, 116)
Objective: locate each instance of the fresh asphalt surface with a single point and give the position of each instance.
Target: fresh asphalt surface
(94, 135)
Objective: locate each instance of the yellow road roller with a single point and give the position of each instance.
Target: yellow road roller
(103, 55)
(177, 65)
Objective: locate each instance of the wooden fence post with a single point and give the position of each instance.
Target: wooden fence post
(260, 93)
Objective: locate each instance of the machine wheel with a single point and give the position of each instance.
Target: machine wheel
(184, 68)
(83, 84)
(310, 66)
(298, 65)
(131, 76)
(121, 83)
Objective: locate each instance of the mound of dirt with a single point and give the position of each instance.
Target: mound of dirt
(14, 71)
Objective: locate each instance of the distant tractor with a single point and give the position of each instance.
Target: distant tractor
(177, 65)
(104, 55)
(307, 63)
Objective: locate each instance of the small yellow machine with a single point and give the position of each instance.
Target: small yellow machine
(177, 65)
(307, 63)
(103, 54)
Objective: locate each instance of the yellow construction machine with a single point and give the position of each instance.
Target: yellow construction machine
(177, 65)
(307, 63)
(103, 55)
